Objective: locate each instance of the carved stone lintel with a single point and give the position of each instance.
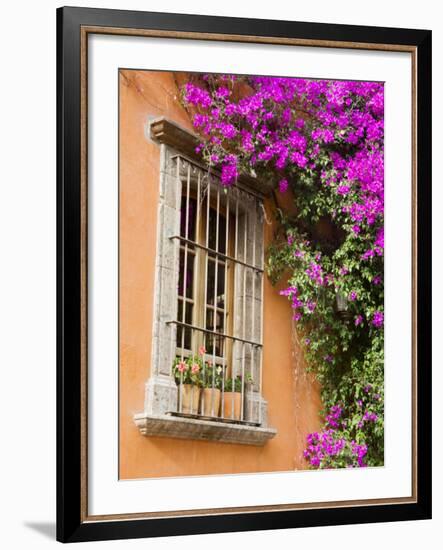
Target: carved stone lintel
(170, 133)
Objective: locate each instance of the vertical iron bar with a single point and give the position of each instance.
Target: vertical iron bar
(185, 273)
(253, 276)
(185, 262)
(236, 285)
(261, 339)
(245, 255)
(196, 270)
(214, 327)
(225, 290)
(173, 353)
(179, 195)
(208, 199)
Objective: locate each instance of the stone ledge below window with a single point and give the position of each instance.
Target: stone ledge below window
(207, 430)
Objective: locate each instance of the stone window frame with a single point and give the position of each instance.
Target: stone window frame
(177, 150)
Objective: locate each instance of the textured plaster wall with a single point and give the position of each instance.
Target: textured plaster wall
(292, 395)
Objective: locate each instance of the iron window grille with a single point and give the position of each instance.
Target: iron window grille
(220, 289)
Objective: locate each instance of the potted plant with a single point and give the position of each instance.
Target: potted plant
(232, 396)
(231, 406)
(187, 375)
(212, 382)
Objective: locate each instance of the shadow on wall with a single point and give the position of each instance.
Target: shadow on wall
(306, 392)
(46, 529)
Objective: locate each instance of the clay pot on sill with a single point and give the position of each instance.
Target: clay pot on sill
(189, 394)
(210, 401)
(232, 405)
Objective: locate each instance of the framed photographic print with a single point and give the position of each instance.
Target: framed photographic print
(244, 274)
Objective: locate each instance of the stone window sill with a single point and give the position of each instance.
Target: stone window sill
(208, 430)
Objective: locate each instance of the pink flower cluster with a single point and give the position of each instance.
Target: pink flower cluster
(326, 447)
(299, 306)
(322, 445)
(288, 124)
(315, 273)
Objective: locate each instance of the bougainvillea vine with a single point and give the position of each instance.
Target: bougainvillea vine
(322, 140)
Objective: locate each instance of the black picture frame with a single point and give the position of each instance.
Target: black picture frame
(72, 526)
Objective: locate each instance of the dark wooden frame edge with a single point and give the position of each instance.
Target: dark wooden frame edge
(71, 525)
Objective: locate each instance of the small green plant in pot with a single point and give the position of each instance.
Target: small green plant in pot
(232, 396)
(212, 381)
(187, 376)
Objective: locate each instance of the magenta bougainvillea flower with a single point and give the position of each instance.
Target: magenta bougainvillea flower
(265, 129)
(322, 140)
(378, 319)
(283, 185)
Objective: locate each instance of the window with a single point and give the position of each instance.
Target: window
(204, 288)
(208, 301)
(219, 274)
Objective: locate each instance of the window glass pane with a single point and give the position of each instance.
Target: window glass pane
(213, 231)
(192, 212)
(189, 273)
(213, 340)
(210, 283)
(219, 320)
(209, 344)
(201, 313)
(185, 333)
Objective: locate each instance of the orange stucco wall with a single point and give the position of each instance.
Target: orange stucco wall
(292, 394)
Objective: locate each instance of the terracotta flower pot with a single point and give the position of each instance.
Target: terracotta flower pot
(210, 401)
(232, 405)
(189, 396)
